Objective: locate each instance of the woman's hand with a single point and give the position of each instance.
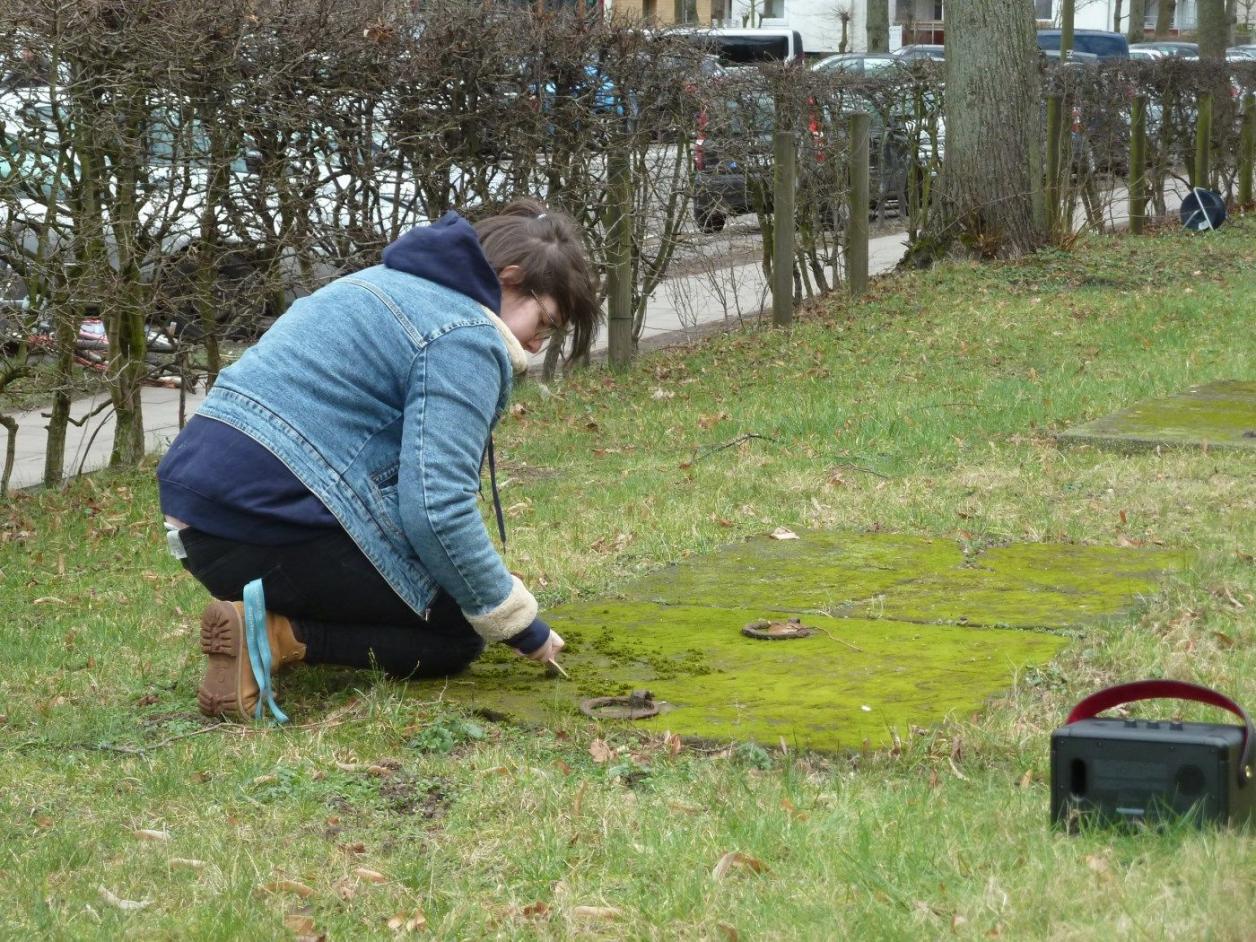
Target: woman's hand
(549, 650)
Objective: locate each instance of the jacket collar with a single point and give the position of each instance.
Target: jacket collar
(518, 356)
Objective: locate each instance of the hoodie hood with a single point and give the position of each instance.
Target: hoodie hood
(448, 253)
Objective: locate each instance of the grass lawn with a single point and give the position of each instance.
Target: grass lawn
(382, 811)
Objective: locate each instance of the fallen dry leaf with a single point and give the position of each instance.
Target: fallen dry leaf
(148, 834)
(127, 905)
(736, 859)
(600, 751)
(672, 743)
(1027, 779)
(408, 923)
(288, 886)
(596, 912)
(369, 875)
(727, 931)
(187, 863)
(537, 910)
(301, 923)
(783, 533)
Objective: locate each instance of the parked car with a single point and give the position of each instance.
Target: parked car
(1102, 43)
(918, 51)
(1140, 53)
(733, 155)
(860, 63)
(748, 47)
(1240, 53)
(1171, 48)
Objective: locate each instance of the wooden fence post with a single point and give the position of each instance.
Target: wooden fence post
(1247, 150)
(619, 350)
(784, 181)
(1138, 166)
(1055, 111)
(857, 217)
(1203, 141)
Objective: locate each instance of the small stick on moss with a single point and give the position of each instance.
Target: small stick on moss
(838, 640)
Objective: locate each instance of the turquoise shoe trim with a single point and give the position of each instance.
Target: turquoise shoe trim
(259, 649)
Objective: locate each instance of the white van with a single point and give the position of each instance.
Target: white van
(747, 47)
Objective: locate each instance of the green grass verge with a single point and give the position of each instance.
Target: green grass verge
(929, 409)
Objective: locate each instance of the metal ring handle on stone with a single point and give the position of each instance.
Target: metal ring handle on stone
(777, 631)
(620, 708)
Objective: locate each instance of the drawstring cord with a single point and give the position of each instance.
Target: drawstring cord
(497, 500)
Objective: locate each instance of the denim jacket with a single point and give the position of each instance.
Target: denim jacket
(379, 392)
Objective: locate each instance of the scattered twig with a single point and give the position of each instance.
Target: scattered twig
(856, 467)
(825, 632)
(704, 450)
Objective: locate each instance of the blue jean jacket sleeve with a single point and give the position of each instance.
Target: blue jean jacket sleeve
(455, 389)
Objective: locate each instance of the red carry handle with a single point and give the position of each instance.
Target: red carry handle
(1105, 699)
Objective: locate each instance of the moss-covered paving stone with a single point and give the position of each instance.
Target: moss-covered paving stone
(852, 680)
(910, 578)
(1217, 415)
(914, 629)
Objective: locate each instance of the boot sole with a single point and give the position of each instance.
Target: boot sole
(228, 688)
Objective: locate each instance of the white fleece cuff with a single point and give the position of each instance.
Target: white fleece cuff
(507, 619)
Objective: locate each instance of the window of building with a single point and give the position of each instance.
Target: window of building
(686, 11)
(1043, 9)
(774, 9)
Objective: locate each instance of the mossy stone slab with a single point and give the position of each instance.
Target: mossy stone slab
(908, 578)
(855, 680)
(1216, 415)
(915, 628)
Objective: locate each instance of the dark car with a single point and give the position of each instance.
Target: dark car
(733, 156)
(1099, 42)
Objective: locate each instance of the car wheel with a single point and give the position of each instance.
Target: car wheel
(709, 220)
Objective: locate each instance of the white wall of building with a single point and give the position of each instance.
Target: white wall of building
(817, 20)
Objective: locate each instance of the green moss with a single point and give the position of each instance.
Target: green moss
(911, 578)
(854, 680)
(677, 633)
(1219, 415)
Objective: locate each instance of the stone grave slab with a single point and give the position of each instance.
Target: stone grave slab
(913, 629)
(1215, 415)
(910, 578)
(852, 680)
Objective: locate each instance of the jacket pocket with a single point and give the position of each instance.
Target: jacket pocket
(385, 504)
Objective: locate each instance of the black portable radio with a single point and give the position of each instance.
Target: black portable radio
(1135, 771)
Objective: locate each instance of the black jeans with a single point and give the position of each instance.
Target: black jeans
(341, 608)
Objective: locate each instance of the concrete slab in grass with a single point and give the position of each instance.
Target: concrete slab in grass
(854, 680)
(899, 645)
(1216, 415)
(909, 578)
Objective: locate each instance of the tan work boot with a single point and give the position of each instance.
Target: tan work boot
(229, 688)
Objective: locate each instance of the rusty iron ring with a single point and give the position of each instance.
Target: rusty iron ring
(638, 705)
(777, 631)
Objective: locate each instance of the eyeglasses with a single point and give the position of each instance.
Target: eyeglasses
(549, 321)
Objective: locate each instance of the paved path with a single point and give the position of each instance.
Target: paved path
(680, 309)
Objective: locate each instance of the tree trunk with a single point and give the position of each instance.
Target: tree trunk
(992, 179)
(1214, 29)
(878, 26)
(1116, 17)
(1135, 29)
(1164, 17)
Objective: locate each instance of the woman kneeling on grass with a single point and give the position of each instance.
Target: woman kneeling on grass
(338, 462)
